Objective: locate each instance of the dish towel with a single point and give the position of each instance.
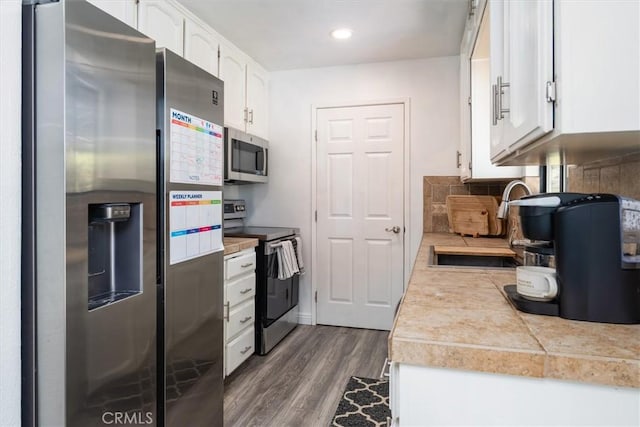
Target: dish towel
(287, 262)
(298, 248)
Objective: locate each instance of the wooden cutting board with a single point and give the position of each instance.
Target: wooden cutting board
(474, 215)
(470, 222)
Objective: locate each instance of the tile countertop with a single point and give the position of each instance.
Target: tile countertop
(237, 244)
(460, 318)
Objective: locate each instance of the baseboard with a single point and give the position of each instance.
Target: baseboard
(304, 318)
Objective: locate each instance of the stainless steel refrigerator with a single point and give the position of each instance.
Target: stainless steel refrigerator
(190, 329)
(89, 226)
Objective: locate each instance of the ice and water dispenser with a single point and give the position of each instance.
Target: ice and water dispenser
(115, 252)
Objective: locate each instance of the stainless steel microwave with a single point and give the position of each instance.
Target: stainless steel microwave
(245, 157)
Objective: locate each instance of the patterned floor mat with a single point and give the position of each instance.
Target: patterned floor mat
(364, 403)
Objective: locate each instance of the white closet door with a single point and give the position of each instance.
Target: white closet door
(360, 201)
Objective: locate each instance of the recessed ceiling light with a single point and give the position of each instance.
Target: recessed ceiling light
(341, 33)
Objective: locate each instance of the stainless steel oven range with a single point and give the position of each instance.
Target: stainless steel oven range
(276, 299)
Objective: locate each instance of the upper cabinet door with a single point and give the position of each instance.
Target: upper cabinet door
(499, 145)
(528, 70)
(124, 10)
(162, 21)
(232, 72)
(463, 159)
(257, 100)
(201, 46)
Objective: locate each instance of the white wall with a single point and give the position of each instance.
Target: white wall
(430, 84)
(10, 185)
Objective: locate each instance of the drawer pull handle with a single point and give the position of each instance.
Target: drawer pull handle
(246, 319)
(245, 349)
(385, 368)
(249, 264)
(244, 291)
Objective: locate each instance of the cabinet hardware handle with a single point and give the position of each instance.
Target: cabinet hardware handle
(226, 316)
(246, 319)
(245, 350)
(385, 368)
(244, 291)
(395, 229)
(246, 265)
(251, 116)
(494, 104)
(246, 112)
(551, 92)
(500, 112)
(458, 154)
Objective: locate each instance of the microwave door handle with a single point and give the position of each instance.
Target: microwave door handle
(257, 160)
(264, 162)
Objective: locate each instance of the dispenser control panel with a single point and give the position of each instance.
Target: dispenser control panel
(111, 212)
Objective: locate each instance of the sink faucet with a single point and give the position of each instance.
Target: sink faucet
(503, 210)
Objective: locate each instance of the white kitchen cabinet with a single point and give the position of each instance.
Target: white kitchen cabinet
(429, 396)
(475, 12)
(239, 302)
(246, 90)
(163, 21)
(246, 83)
(570, 80)
(257, 100)
(464, 152)
(474, 159)
(233, 72)
(124, 10)
(201, 46)
(521, 73)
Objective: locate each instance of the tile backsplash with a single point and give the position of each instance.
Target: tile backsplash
(437, 188)
(620, 175)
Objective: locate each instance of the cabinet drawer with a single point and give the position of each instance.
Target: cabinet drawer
(241, 289)
(238, 350)
(240, 264)
(241, 317)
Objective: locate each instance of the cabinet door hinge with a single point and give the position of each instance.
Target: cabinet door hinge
(470, 167)
(316, 297)
(316, 215)
(315, 135)
(469, 100)
(218, 53)
(551, 91)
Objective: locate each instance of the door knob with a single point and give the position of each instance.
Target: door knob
(395, 229)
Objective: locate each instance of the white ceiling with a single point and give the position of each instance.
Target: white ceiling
(290, 34)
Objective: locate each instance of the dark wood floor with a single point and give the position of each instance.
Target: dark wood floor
(300, 382)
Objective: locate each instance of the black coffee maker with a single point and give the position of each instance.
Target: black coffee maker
(596, 241)
(598, 259)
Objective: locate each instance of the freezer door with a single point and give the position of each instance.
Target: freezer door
(96, 218)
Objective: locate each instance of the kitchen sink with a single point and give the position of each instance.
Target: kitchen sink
(471, 261)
